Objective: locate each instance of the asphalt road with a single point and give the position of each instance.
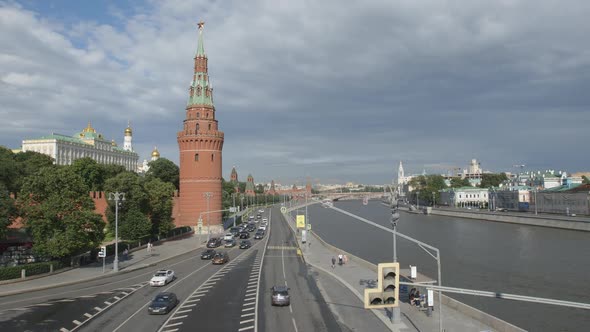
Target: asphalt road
(282, 266)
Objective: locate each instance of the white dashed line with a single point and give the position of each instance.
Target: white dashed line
(66, 300)
(250, 298)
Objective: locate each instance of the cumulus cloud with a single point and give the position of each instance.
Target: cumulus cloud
(314, 89)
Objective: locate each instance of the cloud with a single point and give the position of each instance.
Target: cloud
(313, 88)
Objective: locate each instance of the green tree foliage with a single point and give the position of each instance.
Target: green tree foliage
(164, 170)
(426, 185)
(134, 225)
(160, 202)
(9, 172)
(59, 214)
(112, 170)
(92, 172)
(259, 189)
(492, 180)
(585, 179)
(459, 182)
(135, 198)
(7, 210)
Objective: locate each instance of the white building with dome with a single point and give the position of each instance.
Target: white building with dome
(87, 143)
(144, 167)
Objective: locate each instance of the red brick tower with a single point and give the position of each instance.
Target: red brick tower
(200, 144)
(250, 186)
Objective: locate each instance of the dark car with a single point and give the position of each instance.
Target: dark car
(280, 295)
(220, 258)
(162, 304)
(208, 254)
(251, 228)
(235, 231)
(259, 235)
(245, 244)
(244, 235)
(214, 242)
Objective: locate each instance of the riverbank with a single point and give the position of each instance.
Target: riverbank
(533, 220)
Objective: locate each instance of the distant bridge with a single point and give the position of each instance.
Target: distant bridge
(350, 195)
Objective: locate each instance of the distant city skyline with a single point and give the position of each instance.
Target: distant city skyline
(315, 90)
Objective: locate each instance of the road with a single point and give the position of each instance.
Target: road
(230, 297)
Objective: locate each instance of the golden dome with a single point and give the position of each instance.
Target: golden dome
(113, 143)
(128, 131)
(89, 129)
(155, 153)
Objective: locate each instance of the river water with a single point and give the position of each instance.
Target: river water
(483, 255)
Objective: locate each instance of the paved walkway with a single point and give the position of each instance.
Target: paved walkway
(137, 259)
(356, 274)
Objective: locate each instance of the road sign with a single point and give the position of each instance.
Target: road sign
(300, 221)
(309, 227)
(103, 252)
(283, 209)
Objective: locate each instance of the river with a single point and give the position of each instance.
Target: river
(483, 255)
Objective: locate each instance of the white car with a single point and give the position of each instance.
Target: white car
(264, 219)
(228, 236)
(162, 277)
(262, 227)
(261, 211)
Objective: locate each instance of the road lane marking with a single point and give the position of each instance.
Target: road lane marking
(294, 324)
(246, 328)
(250, 298)
(206, 287)
(199, 295)
(63, 329)
(184, 311)
(87, 315)
(87, 296)
(107, 302)
(179, 317)
(76, 322)
(246, 321)
(251, 286)
(66, 300)
(188, 305)
(175, 324)
(191, 301)
(117, 298)
(98, 308)
(248, 304)
(253, 282)
(248, 309)
(247, 315)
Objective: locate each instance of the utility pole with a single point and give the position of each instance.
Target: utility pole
(208, 196)
(116, 196)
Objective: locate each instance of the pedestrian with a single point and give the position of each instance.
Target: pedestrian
(125, 254)
(340, 258)
(149, 247)
(333, 261)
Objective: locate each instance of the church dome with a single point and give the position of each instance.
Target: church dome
(128, 131)
(155, 153)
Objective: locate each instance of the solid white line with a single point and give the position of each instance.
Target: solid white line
(87, 296)
(173, 330)
(251, 286)
(260, 272)
(294, 325)
(76, 322)
(290, 309)
(87, 315)
(246, 321)
(246, 315)
(66, 300)
(201, 291)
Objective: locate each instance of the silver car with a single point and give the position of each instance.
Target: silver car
(280, 296)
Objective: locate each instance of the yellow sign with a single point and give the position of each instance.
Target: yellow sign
(300, 221)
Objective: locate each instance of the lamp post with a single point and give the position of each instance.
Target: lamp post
(417, 200)
(208, 196)
(536, 211)
(433, 200)
(116, 196)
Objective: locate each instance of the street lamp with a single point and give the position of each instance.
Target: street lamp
(433, 200)
(417, 200)
(208, 196)
(116, 196)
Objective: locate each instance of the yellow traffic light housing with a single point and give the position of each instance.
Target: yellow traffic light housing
(386, 295)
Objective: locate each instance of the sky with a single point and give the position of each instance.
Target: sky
(330, 91)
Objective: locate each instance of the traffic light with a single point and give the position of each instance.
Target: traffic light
(386, 295)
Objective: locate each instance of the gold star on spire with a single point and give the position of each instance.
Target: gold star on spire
(201, 25)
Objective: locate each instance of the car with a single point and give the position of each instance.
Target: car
(258, 216)
(280, 296)
(235, 231)
(230, 243)
(245, 244)
(244, 235)
(262, 227)
(251, 228)
(214, 242)
(261, 211)
(264, 219)
(259, 235)
(228, 236)
(251, 218)
(162, 277)
(163, 303)
(208, 254)
(220, 258)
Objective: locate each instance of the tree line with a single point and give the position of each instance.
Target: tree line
(57, 212)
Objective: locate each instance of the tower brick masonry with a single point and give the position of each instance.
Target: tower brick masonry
(200, 143)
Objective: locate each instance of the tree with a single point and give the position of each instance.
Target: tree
(59, 214)
(9, 172)
(259, 189)
(7, 210)
(91, 171)
(459, 182)
(112, 170)
(29, 163)
(159, 194)
(426, 185)
(492, 180)
(136, 225)
(164, 170)
(585, 179)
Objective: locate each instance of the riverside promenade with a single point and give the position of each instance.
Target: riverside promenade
(357, 274)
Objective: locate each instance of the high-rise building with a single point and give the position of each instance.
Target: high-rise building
(200, 143)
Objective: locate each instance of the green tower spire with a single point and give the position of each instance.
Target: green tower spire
(201, 46)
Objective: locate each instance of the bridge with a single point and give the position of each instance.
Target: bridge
(350, 195)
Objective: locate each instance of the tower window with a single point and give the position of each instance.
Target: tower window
(207, 115)
(198, 115)
(212, 157)
(209, 126)
(197, 127)
(196, 157)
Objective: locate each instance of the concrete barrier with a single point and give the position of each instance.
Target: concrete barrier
(522, 220)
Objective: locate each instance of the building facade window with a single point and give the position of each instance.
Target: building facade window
(196, 157)
(212, 157)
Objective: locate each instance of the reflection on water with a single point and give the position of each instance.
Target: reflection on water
(519, 259)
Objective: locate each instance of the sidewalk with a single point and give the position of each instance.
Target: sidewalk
(137, 259)
(357, 274)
